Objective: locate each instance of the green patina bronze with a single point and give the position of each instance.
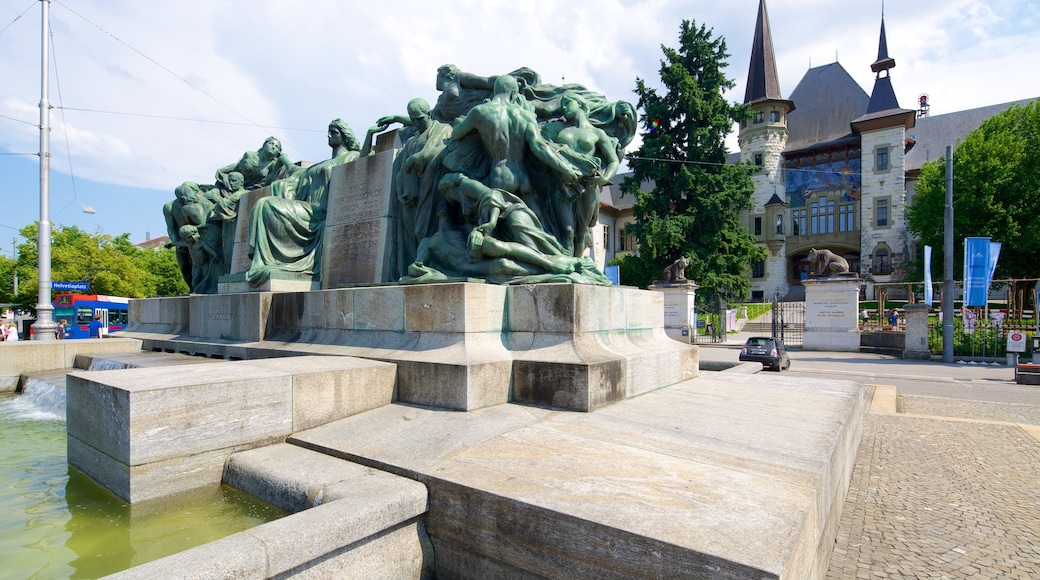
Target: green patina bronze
(286, 229)
(499, 180)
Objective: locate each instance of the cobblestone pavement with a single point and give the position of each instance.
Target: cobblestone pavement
(933, 497)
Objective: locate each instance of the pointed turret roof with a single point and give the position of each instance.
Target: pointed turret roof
(883, 62)
(763, 84)
(883, 109)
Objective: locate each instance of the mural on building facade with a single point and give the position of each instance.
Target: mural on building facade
(841, 179)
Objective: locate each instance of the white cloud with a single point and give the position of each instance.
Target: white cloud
(292, 66)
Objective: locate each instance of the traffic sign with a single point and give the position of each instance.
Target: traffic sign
(1016, 341)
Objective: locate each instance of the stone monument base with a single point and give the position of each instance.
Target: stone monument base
(680, 318)
(460, 346)
(831, 314)
(278, 282)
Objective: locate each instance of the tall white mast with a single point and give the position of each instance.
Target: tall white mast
(43, 328)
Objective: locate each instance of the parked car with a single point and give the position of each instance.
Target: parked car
(771, 352)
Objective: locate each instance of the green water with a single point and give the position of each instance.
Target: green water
(57, 523)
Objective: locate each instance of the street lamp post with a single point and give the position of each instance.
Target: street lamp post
(43, 328)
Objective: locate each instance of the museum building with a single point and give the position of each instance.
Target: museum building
(839, 168)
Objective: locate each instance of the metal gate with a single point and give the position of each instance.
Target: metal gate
(788, 321)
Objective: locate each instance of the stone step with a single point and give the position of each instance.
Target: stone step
(348, 521)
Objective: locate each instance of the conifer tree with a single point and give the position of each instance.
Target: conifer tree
(693, 208)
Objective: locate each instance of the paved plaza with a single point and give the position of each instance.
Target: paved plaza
(947, 478)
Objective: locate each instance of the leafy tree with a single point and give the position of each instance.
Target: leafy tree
(165, 274)
(996, 193)
(111, 265)
(693, 209)
(6, 280)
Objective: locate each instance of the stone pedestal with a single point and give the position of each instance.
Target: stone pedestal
(680, 318)
(831, 309)
(457, 345)
(916, 345)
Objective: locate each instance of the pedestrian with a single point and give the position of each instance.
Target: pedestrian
(12, 332)
(96, 326)
(61, 332)
(893, 318)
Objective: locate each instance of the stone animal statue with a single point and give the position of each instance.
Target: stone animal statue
(827, 262)
(676, 272)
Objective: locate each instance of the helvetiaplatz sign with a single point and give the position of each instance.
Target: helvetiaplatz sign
(74, 286)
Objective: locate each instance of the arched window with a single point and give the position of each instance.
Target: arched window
(774, 117)
(882, 264)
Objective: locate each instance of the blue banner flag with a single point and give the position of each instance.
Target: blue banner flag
(928, 275)
(613, 273)
(976, 271)
(994, 253)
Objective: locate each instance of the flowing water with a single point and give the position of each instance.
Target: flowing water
(57, 523)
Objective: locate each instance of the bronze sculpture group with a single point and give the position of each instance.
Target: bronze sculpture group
(499, 180)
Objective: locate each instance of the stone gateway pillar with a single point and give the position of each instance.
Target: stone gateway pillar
(916, 344)
(831, 309)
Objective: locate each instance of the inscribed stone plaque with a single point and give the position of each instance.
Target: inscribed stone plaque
(357, 227)
(240, 257)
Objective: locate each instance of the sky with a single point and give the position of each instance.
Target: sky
(146, 95)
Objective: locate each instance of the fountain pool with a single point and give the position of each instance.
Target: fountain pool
(57, 523)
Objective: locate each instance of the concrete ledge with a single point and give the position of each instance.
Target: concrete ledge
(329, 541)
(147, 432)
(295, 479)
(348, 521)
(30, 357)
(725, 476)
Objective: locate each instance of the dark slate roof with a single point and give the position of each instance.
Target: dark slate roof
(884, 96)
(763, 83)
(932, 134)
(828, 99)
(883, 61)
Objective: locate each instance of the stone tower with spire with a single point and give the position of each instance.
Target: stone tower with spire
(884, 143)
(762, 140)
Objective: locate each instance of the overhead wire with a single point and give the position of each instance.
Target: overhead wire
(64, 124)
(250, 121)
(16, 18)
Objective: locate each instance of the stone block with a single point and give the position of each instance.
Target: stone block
(357, 225)
(643, 309)
(380, 308)
(293, 312)
(167, 315)
(276, 282)
(558, 308)
(240, 317)
(145, 433)
(460, 386)
(27, 357)
(571, 372)
(240, 259)
(325, 389)
(454, 307)
(832, 314)
(339, 309)
(167, 415)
